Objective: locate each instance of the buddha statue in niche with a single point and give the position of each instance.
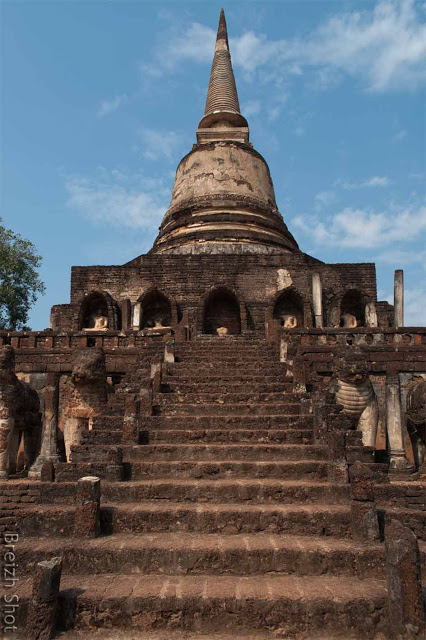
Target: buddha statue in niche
(289, 321)
(159, 323)
(349, 321)
(97, 321)
(222, 331)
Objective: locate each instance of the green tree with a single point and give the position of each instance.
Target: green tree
(19, 280)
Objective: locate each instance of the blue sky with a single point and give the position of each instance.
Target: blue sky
(100, 100)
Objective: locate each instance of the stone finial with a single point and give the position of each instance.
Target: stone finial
(406, 610)
(43, 605)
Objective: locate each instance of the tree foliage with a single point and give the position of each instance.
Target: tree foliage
(19, 279)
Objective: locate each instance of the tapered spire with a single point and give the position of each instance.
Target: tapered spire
(223, 198)
(222, 92)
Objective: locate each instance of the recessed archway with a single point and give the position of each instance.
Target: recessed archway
(156, 310)
(353, 304)
(222, 310)
(98, 304)
(289, 309)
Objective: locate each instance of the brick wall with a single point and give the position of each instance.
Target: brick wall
(188, 279)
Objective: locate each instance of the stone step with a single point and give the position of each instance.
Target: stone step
(276, 409)
(213, 554)
(229, 422)
(228, 359)
(158, 516)
(232, 397)
(176, 386)
(72, 471)
(243, 490)
(305, 469)
(212, 377)
(102, 437)
(204, 603)
(108, 423)
(115, 422)
(123, 634)
(228, 369)
(179, 517)
(289, 436)
(258, 452)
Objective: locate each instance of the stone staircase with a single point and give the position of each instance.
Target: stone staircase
(226, 524)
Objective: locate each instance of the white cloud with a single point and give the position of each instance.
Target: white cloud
(113, 197)
(250, 108)
(400, 135)
(402, 257)
(415, 307)
(109, 106)
(157, 144)
(325, 198)
(196, 44)
(299, 131)
(383, 47)
(375, 181)
(363, 229)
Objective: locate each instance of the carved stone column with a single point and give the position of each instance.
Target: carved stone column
(317, 299)
(398, 460)
(371, 315)
(136, 321)
(126, 314)
(398, 292)
(49, 440)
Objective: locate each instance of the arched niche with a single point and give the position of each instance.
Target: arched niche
(222, 310)
(289, 303)
(99, 304)
(353, 304)
(157, 310)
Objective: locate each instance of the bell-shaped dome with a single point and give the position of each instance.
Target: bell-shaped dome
(223, 198)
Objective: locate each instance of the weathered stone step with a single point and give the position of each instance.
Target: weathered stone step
(206, 603)
(162, 516)
(72, 471)
(122, 634)
(102, 437)
(174, 385)
(228, 369)
(306, 469)
(288, 436)
(232, 397)
(276, 409)
(212, 377)
(108, 423)
(192, 554)
(205, 436)
(257, 452)
(199, 490)
(234, 491)
(227, 359)
(225, 422)
(228, 519)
